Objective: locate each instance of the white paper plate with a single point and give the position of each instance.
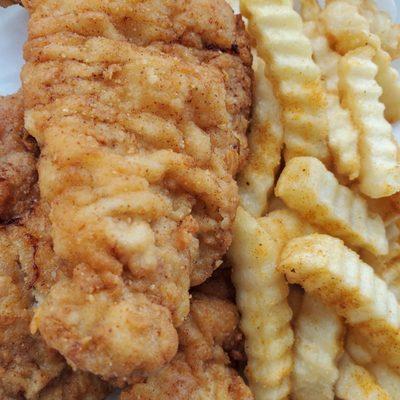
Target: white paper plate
(13, 32)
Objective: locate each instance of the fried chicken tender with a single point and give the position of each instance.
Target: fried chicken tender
(201, 369)
(17, 162)
(140, 110)
(29, 369)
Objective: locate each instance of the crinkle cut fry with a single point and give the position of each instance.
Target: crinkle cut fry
(386, 377)
(261, 295)
(306, 186)
(140, 110)
(388, 79)
(318, 346)
(345, 27)
(257, 179)
(380, 169)
(326, 268)
(380, 24)
(355, 382)
(282, 44)
(342, 134)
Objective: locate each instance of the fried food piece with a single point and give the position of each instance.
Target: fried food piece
(318, 346)
(261, 294)
(346, 28)
(326, 268)
(306, 186)
(201, 369)
(29, 369)
(342, 134)
(380, 171)
(381, 24)
(75, 385)
(17, 162)
(355, 382)
(26, 363)
(257, 179)
(140, 110)
(388, 79)
(388, 379)
(284, 47)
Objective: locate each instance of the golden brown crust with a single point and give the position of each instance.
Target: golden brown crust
(140, 110)
(17, 163)
(201, 368)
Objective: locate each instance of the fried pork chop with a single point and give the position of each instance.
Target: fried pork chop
(201, 369)
(140, 110)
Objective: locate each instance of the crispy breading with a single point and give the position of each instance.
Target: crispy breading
(29, 369)
(17, 163)
(140, 111)
(201, 369)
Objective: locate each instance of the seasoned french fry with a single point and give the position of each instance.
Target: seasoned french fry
(326, 268)
(282, 44)
(385, 376)
(343, 138)
(326, 59)
(284, 225)
(356, 382)
(265, 142)
(346, 28)
(381, 25)
(309, 10)
(342, 134)
(380, 171)
(388, 79)
(318, 337)
(391, 275)
(262, 300)
(306, 186)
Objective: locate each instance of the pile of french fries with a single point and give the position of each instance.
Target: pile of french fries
(316, 248)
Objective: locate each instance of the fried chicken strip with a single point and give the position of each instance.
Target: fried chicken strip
(17, 162)
(29, 369)
(201, 369)
(140, 110)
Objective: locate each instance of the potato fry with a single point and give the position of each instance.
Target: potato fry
(391, 275)
(283, 46)
(381, 25)
(346, 28)
(342, 134)
(356, 383)
(261, 293)
(325, 267)
(385, 376)
(265, 141)
(326, 59)
(309, 10)
(284, 225)
(305, 185)
(388, 79)
(318, 345)
(380, 171)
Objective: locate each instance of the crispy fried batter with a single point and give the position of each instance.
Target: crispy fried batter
(201, 369)
(29, 369)
(140, 110)
(17, 163)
